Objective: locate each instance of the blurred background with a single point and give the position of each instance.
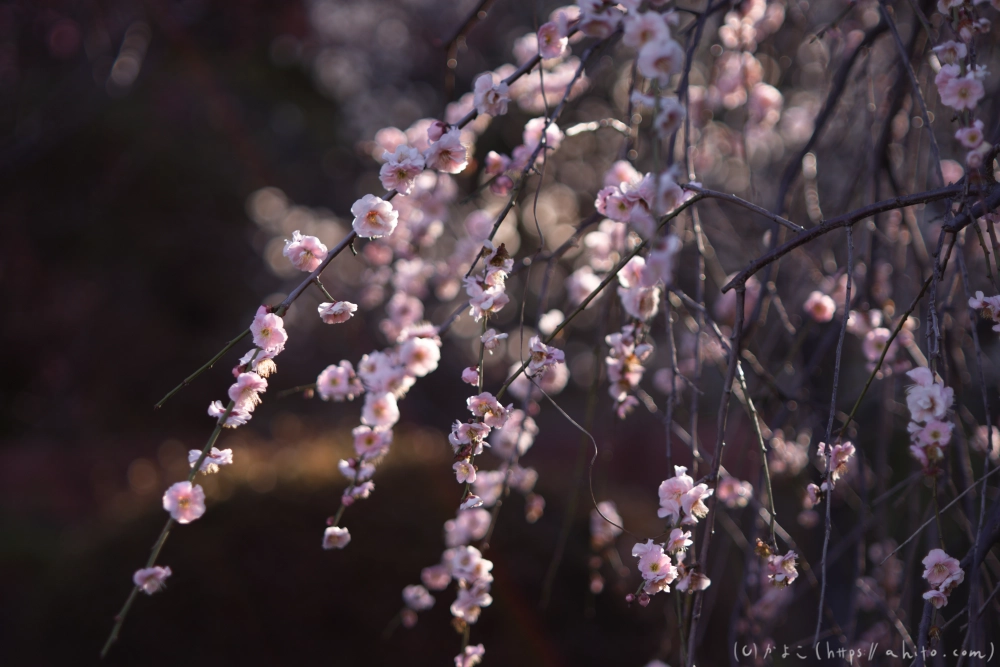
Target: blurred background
(154, 157)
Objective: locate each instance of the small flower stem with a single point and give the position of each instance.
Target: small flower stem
(325, 293)
(161, 540)
(211, 362)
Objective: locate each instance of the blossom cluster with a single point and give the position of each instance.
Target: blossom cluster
(928, 401)
(943, 573)
(959, 80)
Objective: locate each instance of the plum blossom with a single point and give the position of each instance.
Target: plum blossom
(679, 495)
(401, 168)
(465, 472)
(928, 399)
(417, 598)
(660, 59)
(543, 356)
(655, 566)
(336, 537)
(215, 458)
(338, 382)
(781, 570)
(962, 92)
(448, 154)
(491, 98)
(644, 28)
(268, 330)
(236, 417)
(184, 501)
(380, 410)
(488, 408)
(337, 312)
(373, 217)
(305, 253)
(471, 375)
(943, 573)
(552, 42)
(733, 492)
(839, 455)
(151, 579)
(245, 392)
(420, 356)
(972, 136)
(821, 307)
(604, 531)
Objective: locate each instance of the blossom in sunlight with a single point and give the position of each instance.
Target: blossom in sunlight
(447, 154)
(336, 537)
(465, 472)
(184, 501)
(401, 168)
(491, 98)
(839, 455)
(374, 217)
(268, 330)
(380, 410)
(151, 579)
(417, 598)
(246, 391)
(305, 253)
(338, 382)
(215, 458)
(337, 312)
(552, 43)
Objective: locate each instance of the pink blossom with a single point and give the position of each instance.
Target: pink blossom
(338, 382)
(417, 597)
(839, 456)
(491, 339)
(337, 312)
(420, 356)
(733, 492)
(184, 501)
(470, 601)
(373, 217)
(151, 579)
(336, 537)
(939, 567)
(495, 165)
(644, 28)
(471, 375)
(246, 391)
(491, 98)
(820, 307)
(936, 598)
(971, 137)
(640, 302)
(236, 417)
(401, 169)
(927, 402)
(305, 253)
(380, 410)
(946, 74)
(471, 502)
(447, 154)
(542, 356)
(486, 406)
(670, 118)
(532, 134)
(465, 472)
(604, 531)
(661, 59)
(215, 458)
(655, 565)
(679, 540)
(875, 342)
(781, 570)
(691, 580)
(552, 43)
(268, 331)
(962, 92)
(951, 52)
(435, 577)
